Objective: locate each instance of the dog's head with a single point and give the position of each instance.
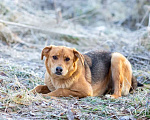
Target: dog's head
(61, 61)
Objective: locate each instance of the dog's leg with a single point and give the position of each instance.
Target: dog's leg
(41, 89)
(63, 92)
(121, 75)
(116, 70)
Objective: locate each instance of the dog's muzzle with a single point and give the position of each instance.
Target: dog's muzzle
(59, 70)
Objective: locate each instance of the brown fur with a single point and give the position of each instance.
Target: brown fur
(91, 74)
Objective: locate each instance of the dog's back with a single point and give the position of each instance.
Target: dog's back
(99, 63)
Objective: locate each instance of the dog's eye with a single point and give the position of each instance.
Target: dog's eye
(67, 59)
(55, 57)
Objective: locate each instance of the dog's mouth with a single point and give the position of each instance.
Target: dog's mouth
(58, 73)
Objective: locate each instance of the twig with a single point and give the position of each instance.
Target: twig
(17, 24)
(57, 13)
(78, 17)
(146, 14)
(140, 57)
(40, 29)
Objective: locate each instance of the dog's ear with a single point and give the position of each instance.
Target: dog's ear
(79, 56)
(45, 51)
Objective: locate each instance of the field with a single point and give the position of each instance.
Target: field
(26, 27)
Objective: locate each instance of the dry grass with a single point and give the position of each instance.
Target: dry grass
(17, 101)
(25, 30)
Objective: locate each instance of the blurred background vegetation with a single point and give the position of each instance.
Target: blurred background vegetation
(113, 25)
(89, 23)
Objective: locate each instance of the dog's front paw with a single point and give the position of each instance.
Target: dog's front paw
(48, 96)
(45, 95)
(112, 96)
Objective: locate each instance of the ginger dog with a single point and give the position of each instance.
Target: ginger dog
(70, 73)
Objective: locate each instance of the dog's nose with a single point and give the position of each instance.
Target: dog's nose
(59, 69)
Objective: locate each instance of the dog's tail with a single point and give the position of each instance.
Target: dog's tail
(140, 84)
(136, 84)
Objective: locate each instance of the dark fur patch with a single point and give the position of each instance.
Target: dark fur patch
(99, 64)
